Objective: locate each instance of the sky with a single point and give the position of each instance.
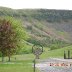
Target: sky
(48, 4)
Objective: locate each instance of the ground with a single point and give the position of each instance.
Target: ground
(55, 65)
(24, 62)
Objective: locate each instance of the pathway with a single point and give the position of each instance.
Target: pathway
(44, 65)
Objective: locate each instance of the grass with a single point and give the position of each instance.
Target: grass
(20, 66)
(24, 63)
(57, 53)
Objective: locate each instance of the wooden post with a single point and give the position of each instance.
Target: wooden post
(34, 65)
(68, 54)
(64, 55)
(42, 49)
(2, 57)
(9, 59)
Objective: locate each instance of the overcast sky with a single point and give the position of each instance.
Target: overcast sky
(48, 4)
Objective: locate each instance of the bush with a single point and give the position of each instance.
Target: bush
(54, 46)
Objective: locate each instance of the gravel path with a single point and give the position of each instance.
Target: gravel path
(44, 65)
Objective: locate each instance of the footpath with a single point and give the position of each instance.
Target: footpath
(54, 65)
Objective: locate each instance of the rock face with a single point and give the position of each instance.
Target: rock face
(56, 65)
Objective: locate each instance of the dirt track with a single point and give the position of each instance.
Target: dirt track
(56, 65)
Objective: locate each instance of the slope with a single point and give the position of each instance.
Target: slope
(52, 28)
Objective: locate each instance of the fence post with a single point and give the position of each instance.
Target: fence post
(34, 65)
(64, 55)
(68, 54)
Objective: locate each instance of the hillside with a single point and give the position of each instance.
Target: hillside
(47, 27)
(58, 53)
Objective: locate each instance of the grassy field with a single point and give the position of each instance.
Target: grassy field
(24, 63)
(57, 53)
(18, 66)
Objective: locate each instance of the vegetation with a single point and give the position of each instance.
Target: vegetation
(57, 53)
(21, 29)
(50, 28)
(23, 63)
(44, 14)
(20, 64)
(10, 38)
(7, 39)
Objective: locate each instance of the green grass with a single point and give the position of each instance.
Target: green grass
(56, 53)
(23, 63)
(20, 66)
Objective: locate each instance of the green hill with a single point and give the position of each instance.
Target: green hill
(50, 28)
(58, 53)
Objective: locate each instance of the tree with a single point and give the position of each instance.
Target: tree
(10, 37)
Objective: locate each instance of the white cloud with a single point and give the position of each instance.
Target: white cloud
(49, 4)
